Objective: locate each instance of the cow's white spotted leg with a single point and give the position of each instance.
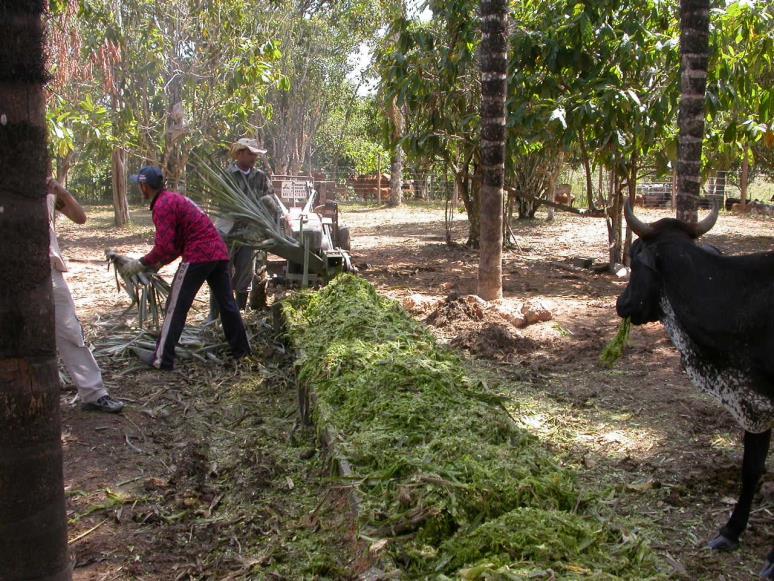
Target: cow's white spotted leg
(756, 447)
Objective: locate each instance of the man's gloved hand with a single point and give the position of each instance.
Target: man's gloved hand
(133, 266)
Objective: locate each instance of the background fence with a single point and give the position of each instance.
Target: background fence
(436, 186)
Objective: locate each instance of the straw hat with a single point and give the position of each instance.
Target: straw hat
(246, 143)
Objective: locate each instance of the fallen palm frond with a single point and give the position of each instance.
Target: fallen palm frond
(204, 343)
(254, 223)
(613, 351)
(201, 343)
(254, 219)
(148, 290)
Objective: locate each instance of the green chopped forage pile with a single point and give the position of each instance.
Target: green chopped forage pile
(443, 471)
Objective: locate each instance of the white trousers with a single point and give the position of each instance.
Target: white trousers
(76, 356)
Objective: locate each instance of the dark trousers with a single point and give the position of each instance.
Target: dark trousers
(243, 260)
(242, 267)
(189, 278)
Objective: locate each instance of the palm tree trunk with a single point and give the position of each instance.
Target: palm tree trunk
(33, 527)
(694, 56)
(494, 85)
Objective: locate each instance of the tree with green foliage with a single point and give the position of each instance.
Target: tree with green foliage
(33, 526)
(78, 120)
(170, 78)
(167, 77)
(396, 117)
(317, 40)
(594, 80)
(350, 136)
(432, 69)
(740, 97)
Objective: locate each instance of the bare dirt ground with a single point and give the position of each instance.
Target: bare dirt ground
(209, 475)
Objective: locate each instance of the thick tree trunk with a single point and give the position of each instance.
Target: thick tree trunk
(120, 203)
(494, 85)
(33, 527)
(694, 56)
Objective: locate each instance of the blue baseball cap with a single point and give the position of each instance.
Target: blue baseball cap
(150, 175)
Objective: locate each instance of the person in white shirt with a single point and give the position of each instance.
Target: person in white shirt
(75, 354)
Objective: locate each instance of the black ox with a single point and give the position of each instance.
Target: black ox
(719, 313)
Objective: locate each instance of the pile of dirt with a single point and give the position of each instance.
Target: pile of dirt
(487, 331)
(498, 341)
(456, 309)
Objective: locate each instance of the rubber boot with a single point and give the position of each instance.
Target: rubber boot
(241, 300)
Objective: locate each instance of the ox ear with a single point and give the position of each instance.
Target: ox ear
(711, 248)
(647, 257)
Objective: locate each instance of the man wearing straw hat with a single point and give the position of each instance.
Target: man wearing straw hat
(255, 184)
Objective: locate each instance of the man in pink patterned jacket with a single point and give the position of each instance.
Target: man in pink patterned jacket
(183, 229)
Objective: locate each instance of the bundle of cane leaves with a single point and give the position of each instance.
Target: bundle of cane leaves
(147, 290)
(205, 342)
(123, 342)
(441, 467)
(254, 222)
(613, 351)
(202, 343)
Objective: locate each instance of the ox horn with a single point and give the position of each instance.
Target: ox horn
(639, 227)
(701, 228)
